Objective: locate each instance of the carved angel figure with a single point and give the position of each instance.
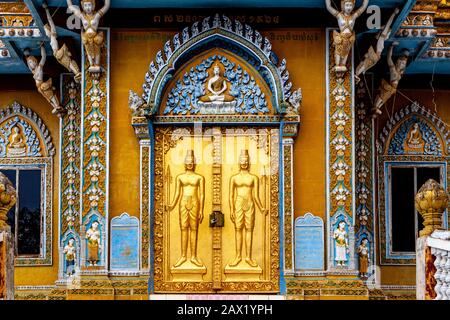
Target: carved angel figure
(343, 40)
(62, 54)
(387, 90)
(296, 99)
(45, 88)
(374, 55)
(91, 37)
(135, 103)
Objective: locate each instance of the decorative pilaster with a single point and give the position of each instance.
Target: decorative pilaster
(340, 163)
(145, 153)
(364, 220)
(288, 202)
(217, 206)
(70, 181)
(95, 157)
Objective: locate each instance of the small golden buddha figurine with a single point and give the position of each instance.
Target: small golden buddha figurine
(17, 139)
(17, 146)
(62, 55)
(415, 137)
(217, 86)
(344, 39)
(91, 37)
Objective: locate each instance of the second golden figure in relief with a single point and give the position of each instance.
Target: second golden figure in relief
(244, 195)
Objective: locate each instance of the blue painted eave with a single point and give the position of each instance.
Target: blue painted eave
(222, 3)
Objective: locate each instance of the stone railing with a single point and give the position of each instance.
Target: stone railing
(439, 242)
(433, 246)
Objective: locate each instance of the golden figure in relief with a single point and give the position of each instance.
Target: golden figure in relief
(17, 145)
(244, 195)
(91, 37)
(415, 137)
(190, 193)
(217, 86)
(62, 54)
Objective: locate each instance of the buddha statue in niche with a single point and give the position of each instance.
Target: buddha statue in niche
(216, 89)
(415, 137)
(17, 145)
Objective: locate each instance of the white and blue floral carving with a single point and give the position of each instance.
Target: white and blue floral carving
(432, 144)
(184, 96)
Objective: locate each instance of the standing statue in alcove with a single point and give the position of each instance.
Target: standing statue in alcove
(373, 56)
(91, 37)
(344, 39)
(62, 54)
(45, 88)
(93, 238)
(388, 89)
(363, 254)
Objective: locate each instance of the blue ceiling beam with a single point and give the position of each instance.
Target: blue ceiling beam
(402, 16)
(37, 19)
(139, 4)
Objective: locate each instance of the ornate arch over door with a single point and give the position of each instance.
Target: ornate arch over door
(216, 95)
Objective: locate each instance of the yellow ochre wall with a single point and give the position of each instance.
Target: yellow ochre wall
(304, 50)
(131, 53)
(45, 275)
(406, 275)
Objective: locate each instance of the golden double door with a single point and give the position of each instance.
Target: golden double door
(216, 200)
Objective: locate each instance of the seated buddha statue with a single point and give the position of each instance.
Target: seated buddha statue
(415, 137)
(217, 86)
(17, 144)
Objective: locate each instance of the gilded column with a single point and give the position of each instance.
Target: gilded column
(145, 150)
(340, 163)
(217, 206)
(141, 129)
(288, 202)
(364, 220)
(95, 161)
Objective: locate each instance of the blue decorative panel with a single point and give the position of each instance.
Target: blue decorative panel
(125, 243)
(432, 145)
(248, 96)
(309, 243)
(31, 141)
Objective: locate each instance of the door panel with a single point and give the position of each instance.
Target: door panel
(217, 152)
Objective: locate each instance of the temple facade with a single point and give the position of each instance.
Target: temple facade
(276, 151)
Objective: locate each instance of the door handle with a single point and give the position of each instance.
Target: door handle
(216, 219)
